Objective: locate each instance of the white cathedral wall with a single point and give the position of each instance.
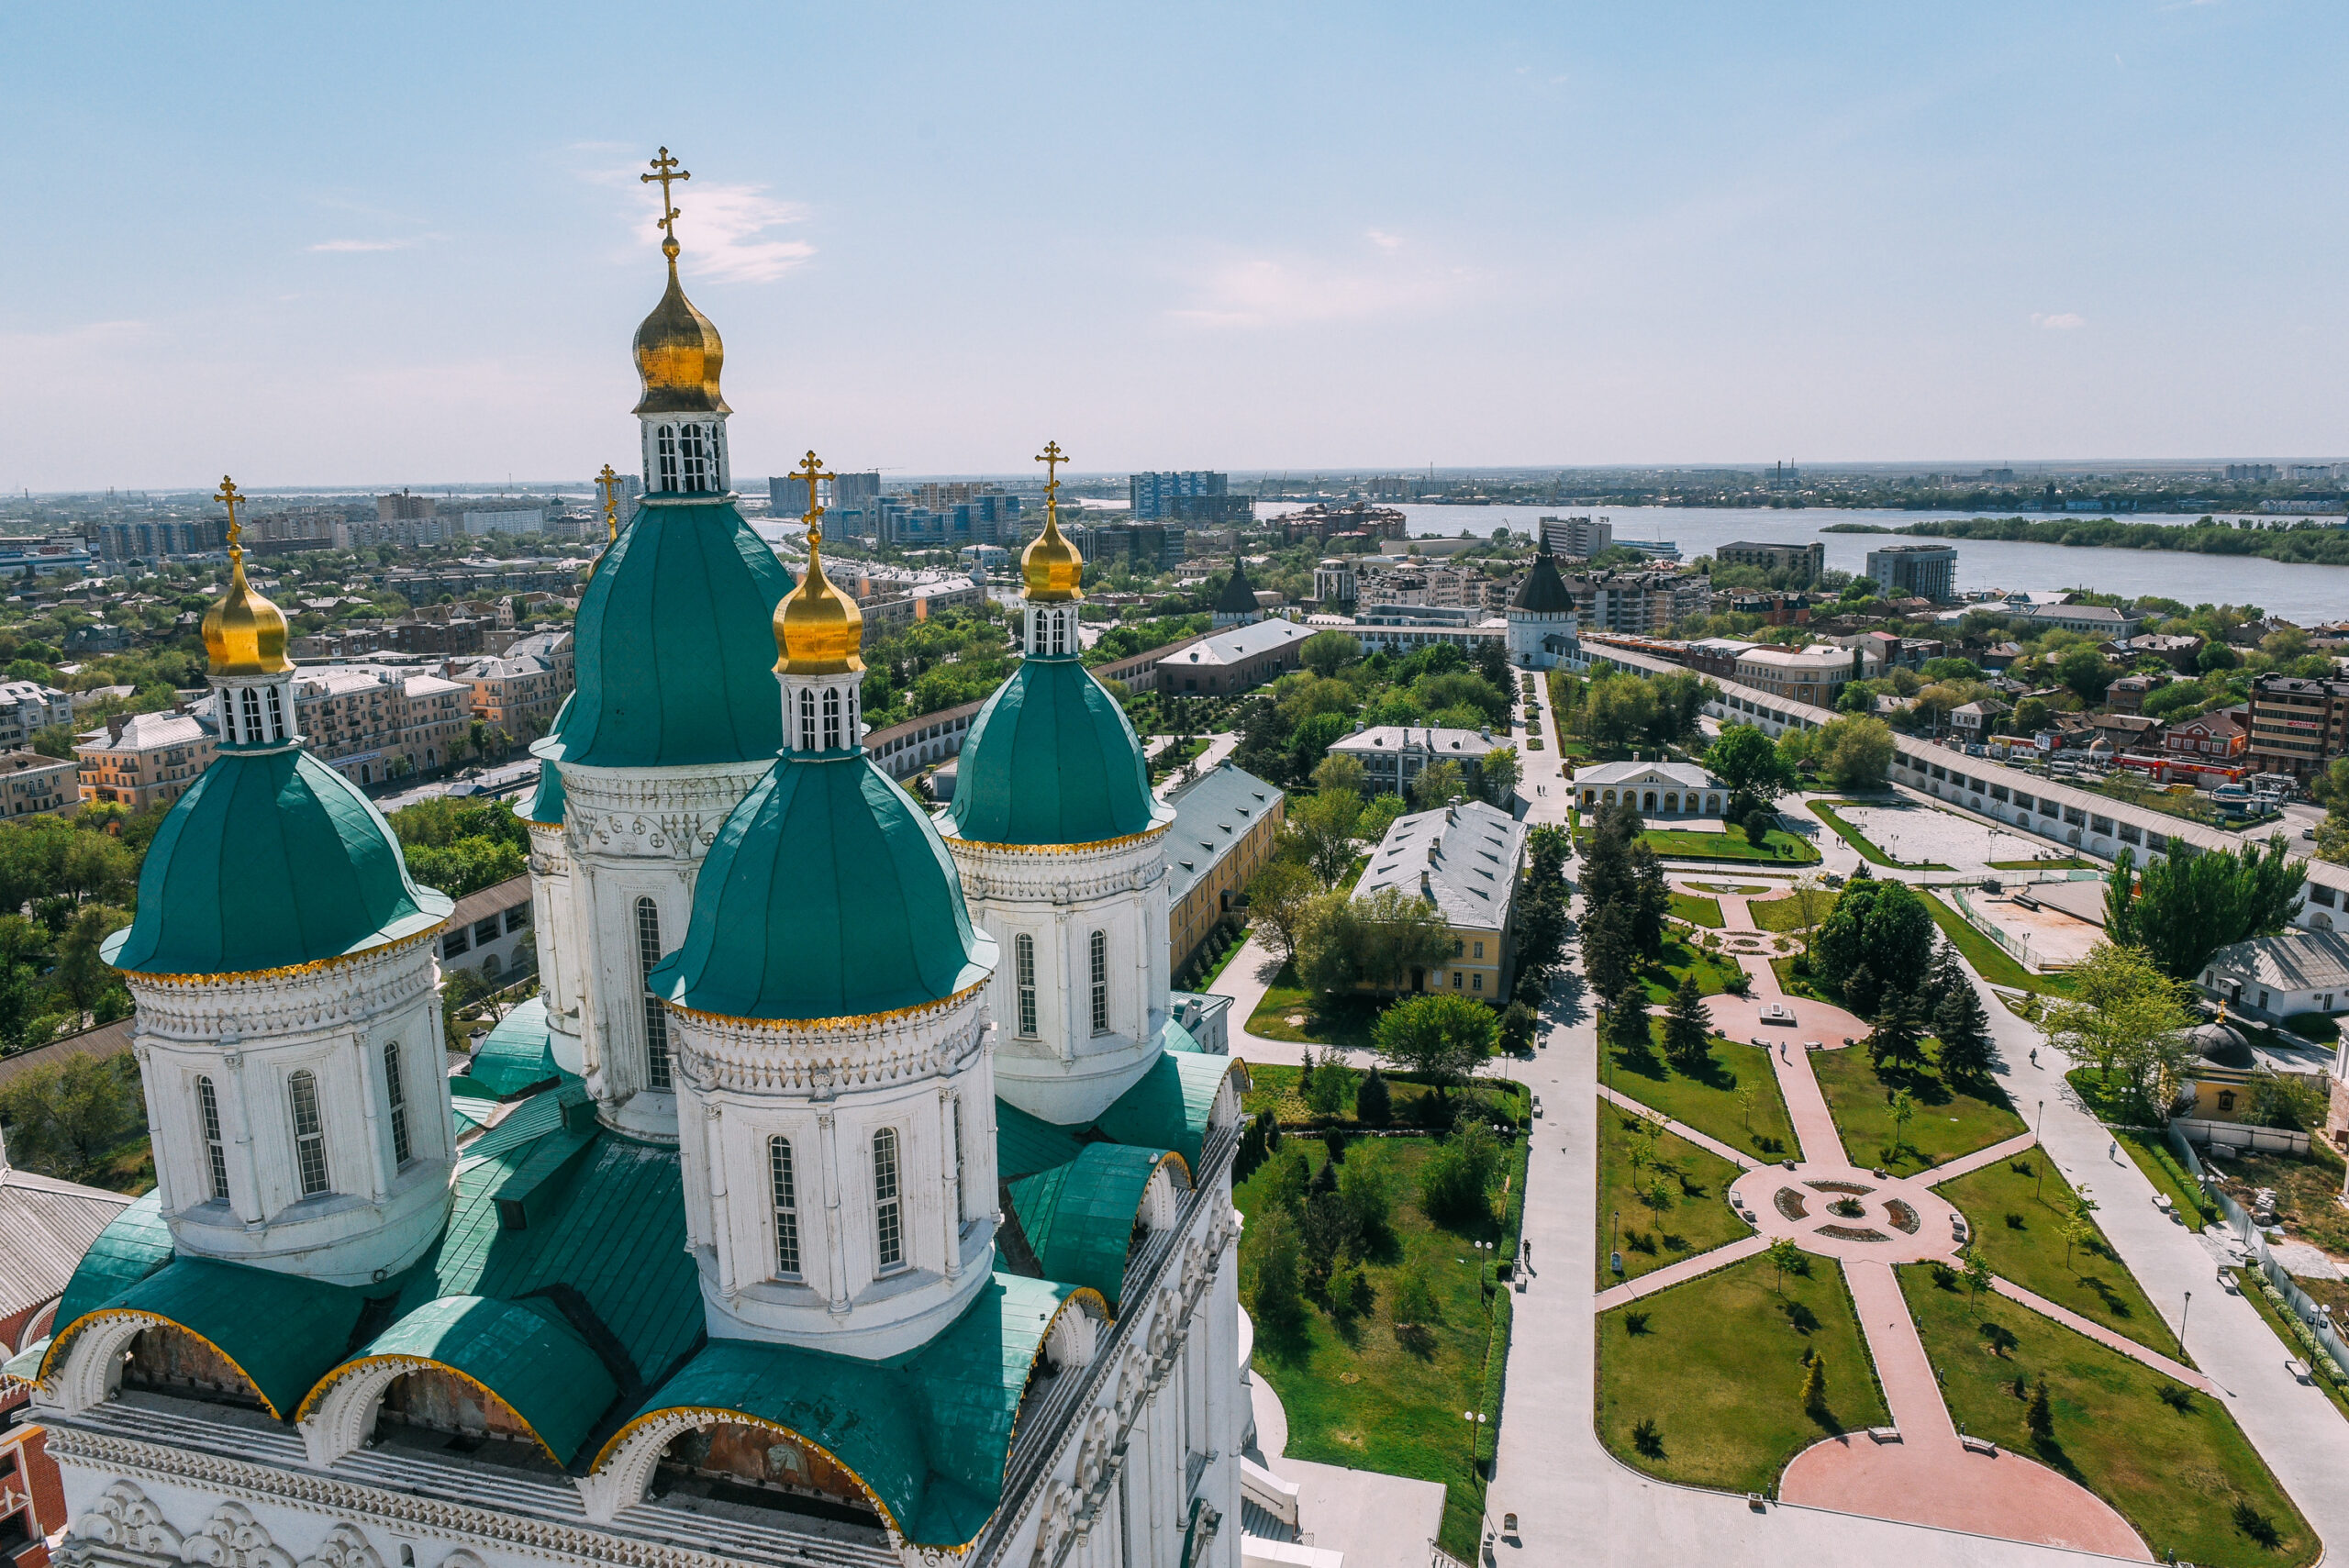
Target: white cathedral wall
(555, 930)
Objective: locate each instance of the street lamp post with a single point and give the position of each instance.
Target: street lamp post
(1474, 1418)
(2186, 1312)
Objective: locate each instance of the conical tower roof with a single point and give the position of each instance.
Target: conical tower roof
(1239, 596)
(1543, 591)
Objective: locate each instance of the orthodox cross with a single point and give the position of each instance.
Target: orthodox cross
(811, 469)
(609, 483)
(1051, 457)
(227, 496)
(664, 171)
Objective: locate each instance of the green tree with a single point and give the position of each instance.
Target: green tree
(1414, 1304)
(1442, 1035)
(1747, 761)
(1687, 1030)
(1339, 771)
(1374, 1103)
(63, 1118)
(1278, 899)
(1327, 652)
(1814, 1385)
(2185, 906)
(1332, 1082)
(2124, 1015)
(80, 975)
(1499, 775)
(1369, 1185)
(1438, 785)
(1976, 1269)
(1518, 1024)
(1628, 1025)
(1856, 751)
(2085, 671)
(1897, 1038)
(1963, 1028)
(1280, 1300)
(1456, 1181)
(1878, 924)
(2040, 1417)
(1781, 1256)
(1904, 1110)
(1321, 828)
(2030, 716)
(1617, 710)
(1376, 942)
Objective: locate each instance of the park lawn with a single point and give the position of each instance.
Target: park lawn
(1785, 914)
(1361, 1397)
(2107, 1102)
(1707, 1100)
(1716, 1364)
(1697, 911)
(2020, 1235)
(1690, 843)
(1713, 971)
(1825, 812)
(1987, 958)
(2178, 1476)
(2150, 1150)
(1813, 986)
(1669, 1212)
(1329, 1020)
(1274, 1088)
(1950, 1120)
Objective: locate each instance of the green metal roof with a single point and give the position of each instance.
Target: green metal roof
(927, 1434)
(1025, 1144)
(1052, 760)
(271, 858)
(1079, 1217)
(1168, 1106)
(522, 1352)
(547, 800)
(283, 1332)
(826, 895)
(674, 646)
(517, 1055)
(133, 1245)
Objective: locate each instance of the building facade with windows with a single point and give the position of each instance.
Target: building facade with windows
(1225, 822)
(2297, 726)
(1464, 859)
(1913, 570)
(142, 760)
(490, 933)
(32, 785)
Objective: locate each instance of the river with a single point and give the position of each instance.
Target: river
(2308, 595)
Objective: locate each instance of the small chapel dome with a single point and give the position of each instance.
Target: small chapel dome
(678, 354)
(1051, 565)
(818, 629)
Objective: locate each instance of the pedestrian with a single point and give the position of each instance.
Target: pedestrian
(2113, 1152)
(2034, 1056)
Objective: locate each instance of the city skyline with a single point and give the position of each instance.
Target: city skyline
(1248, 242)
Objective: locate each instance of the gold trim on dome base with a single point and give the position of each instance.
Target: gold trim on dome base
(845, 1022)
(407, 1364)
(152, 1319)
(315, 966)
(1151, 832)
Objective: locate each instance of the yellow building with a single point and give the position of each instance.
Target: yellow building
(1225, 822)
(1464, 860)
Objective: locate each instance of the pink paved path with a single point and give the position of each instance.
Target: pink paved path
(1679, 1129)
(2102, 1335)
(1966, 1164)
(1676, 1273)
(1928, 1477)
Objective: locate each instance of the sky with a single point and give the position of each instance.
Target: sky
(328, 245)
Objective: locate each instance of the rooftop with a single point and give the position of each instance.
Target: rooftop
(1212, 813)
(1463, 859)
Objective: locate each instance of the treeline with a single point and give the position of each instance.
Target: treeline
(2307, 545)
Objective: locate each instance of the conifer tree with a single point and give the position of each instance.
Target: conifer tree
(1687, 1029)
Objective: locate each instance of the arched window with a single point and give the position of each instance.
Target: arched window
(664, 440)
(806, 719)
(490, 967)
(395, 1092)
(656, 1022)
(832, 718)
(277, 716)
(1100, 946)
(888, 1221)
(250, 729)
(216, 1148)
(785, 1187)
(1023, 948)
(309, 1132)
(957, 1104)
(699, 446)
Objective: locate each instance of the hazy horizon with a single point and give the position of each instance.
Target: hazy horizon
(299, 246)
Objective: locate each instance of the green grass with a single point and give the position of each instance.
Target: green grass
(2020, 1235)
(1690, 844)
(1987, 958)
(2152, 1152)
(2178, 1475)
(1783, 916)
(1813, 986)
(1274, 1088)
(1366, 1398)
(2109, 1103)
(2067, 862)
(1950, 1120)
(1697, 911)
(1713, 971)
(1707, 1100)
(2276, 1317)
(1825, 812)
(1329, 1020)
(1716, 1367)
(1677, 1207)
(1214, 971)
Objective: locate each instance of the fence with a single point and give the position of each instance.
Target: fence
(2310, 1316)
(2237, 1135)
(2017, 949)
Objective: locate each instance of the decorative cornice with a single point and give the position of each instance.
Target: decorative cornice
(1075, 872)
(278, 1003)
(1155, 829)
(822, 1056)
(286, 972)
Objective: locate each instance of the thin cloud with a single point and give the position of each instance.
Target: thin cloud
(1383, 239)
(2069, 321)
(725, 228)
(1266, 291)
(340, 247)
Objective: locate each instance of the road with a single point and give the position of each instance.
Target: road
(490, 779)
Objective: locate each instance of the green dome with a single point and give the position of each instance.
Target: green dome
(271, 858)
(826, 894)
(675, 649)
(1052, 760)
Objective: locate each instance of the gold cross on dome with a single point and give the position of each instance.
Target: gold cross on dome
(1051, 457)
(665, 170)
(227, 496)
(609, 483)
(811, 469)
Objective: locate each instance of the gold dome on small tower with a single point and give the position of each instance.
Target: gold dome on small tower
(244, 634)
(1051, 565)
(678, 353)
(818, 630)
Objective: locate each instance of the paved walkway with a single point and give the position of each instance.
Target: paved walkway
(2102, 1335)
(1680, 1272)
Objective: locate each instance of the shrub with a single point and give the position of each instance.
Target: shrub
(1456, 1182)
(1373, 1106)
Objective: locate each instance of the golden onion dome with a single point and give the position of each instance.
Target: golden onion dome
(678, 354)
(244, 634)
(818, 630)
(1051, 565)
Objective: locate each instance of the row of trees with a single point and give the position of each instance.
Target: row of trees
(1286, 733)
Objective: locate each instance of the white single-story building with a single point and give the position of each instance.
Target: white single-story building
(1658, 789)
(2298, 971)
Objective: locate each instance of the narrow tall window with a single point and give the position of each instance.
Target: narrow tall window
(1023, 948)
(656, 1021)
(786, 1208)
(665, 440)
(832, 718)
(395, 1093)
(1101, 982)
(309, 1132)
(276, 716)
(888, 1229)
(807, 719)
(697, 455)
(252, 730)
(216, 1148)
(959, 1214)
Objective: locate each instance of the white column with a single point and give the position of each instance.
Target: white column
(372, 1090)
(244, 1169)
(1062, 990)
(835, 1241)
(713, 1143)
(949, 1192)
(166, 1164)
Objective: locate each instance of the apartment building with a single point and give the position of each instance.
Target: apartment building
(1225, 824)
(32, 785)
(1919, 571)
(517, 695)
(2297, 726)
(1816, 674)
(28, 705)
(1381, 583)
(1580, 537)
(143, 759)
(1637, 602)
(1464, 860)
(1806, 560)
(373, 722)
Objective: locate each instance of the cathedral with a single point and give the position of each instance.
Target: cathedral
(850, 1193)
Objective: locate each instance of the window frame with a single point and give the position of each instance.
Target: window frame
(657, 1075)
(1023, 952)
(216, 1146)
(1097, 951)
(310, 1167)
(396, 1099)
(783, 1200)
(888, 1202)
